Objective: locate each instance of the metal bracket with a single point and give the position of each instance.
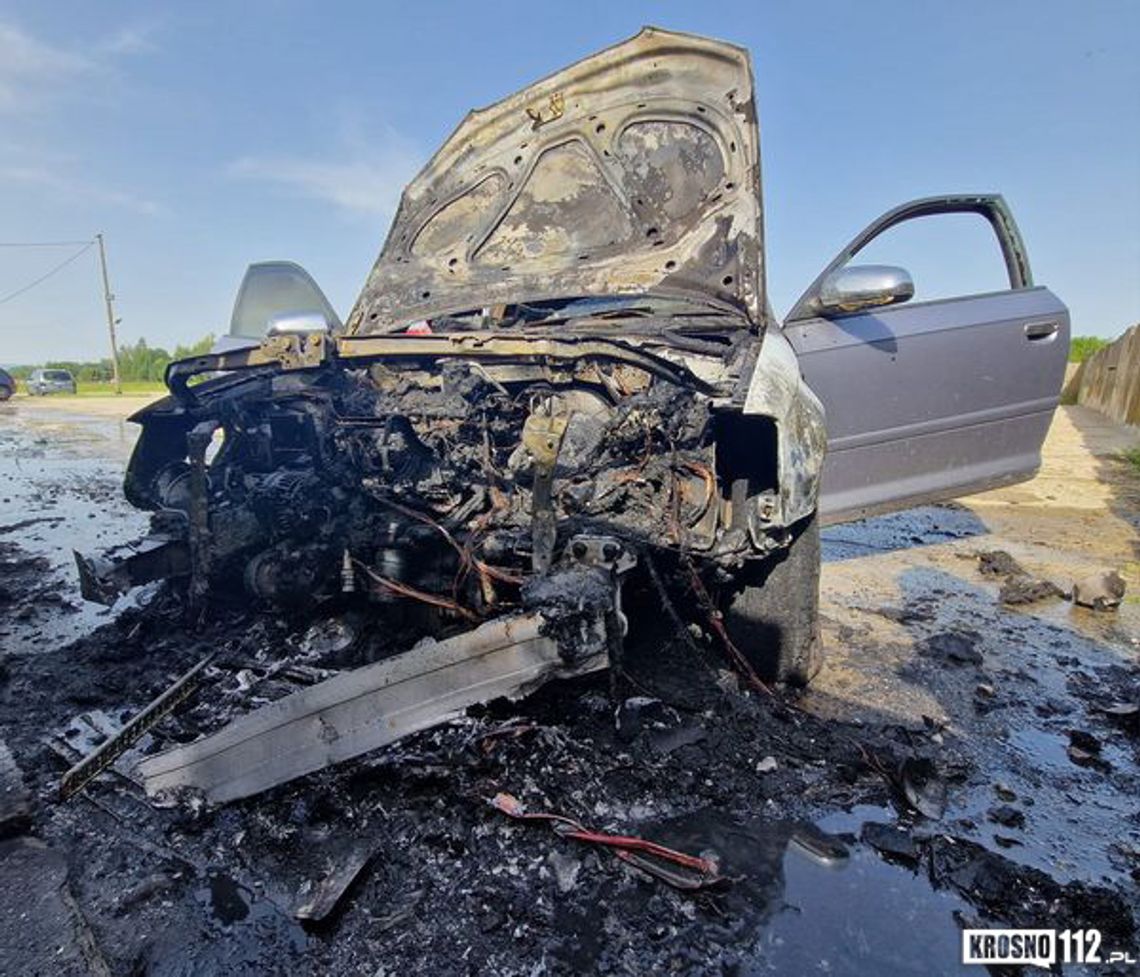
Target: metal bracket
(293, 352)
(197, 441)
(290, 352)
(542, 437)
(95, 763)
(611, 554)
(601, 551)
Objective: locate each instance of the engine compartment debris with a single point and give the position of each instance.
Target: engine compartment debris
(449, 496)
(689, 873)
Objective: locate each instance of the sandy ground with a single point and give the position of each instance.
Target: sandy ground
(93, 427)
(1077, 517)
(61, 405)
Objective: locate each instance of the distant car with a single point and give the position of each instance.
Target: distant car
(43, 382)
(7, 385)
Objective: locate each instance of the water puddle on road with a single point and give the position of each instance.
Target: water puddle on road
(807, 899)
(232, 904)
(822, 902)
(923, 526)
(54, 500)
(54, 432)
(812, 898)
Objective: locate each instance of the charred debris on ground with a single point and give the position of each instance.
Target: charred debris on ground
(399, 853)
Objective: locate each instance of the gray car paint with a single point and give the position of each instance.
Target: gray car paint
(930, 400)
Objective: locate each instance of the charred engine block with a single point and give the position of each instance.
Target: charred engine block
(450, 485)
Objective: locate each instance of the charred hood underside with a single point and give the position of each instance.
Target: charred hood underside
(634, 171)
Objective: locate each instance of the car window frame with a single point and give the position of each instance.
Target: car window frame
(991, 206)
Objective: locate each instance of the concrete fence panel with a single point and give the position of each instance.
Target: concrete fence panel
(1109, 380)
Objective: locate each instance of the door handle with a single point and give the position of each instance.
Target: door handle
(1036, 331)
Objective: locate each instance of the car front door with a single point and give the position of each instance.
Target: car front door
(932, 399)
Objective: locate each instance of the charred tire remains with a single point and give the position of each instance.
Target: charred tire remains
(774, 618)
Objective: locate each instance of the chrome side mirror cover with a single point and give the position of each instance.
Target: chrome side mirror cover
(858, 287)
(280, 298)
(297, 324)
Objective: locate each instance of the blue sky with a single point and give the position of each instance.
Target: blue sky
(200, 137)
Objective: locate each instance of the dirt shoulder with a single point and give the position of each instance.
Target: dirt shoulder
(63, 405)
(1079, 516)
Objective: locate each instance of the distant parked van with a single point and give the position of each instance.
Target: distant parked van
(43, 382)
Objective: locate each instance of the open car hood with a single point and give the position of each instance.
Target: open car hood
(633, 171)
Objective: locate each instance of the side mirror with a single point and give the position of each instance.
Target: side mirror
(858, 287)
(297, 323)
(279, 298)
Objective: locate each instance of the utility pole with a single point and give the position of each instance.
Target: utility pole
(109, 298)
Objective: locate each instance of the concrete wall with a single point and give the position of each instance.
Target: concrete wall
(1071, 385)
(1109, 380)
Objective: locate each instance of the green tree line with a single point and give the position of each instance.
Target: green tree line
(1082, 347)
(137, 361)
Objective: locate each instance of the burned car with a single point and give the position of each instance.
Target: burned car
(561, 375)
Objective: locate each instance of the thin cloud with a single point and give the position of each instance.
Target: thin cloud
(31, 69)
(129, 41)
(40, 82)
(367, 185)
(77, 189)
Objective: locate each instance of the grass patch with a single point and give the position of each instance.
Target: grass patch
(130, 388)
(1082, 347)
(1132, 457)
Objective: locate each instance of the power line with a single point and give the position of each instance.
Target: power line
(43, 278)
(42, 244)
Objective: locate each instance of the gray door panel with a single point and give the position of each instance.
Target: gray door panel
(929, 401)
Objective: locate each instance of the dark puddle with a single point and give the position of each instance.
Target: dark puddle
(244, 916)
(1044, 682)
(227, 900)
(923, 526)
(811, 899)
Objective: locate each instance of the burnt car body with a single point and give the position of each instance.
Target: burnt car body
(564, 364)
